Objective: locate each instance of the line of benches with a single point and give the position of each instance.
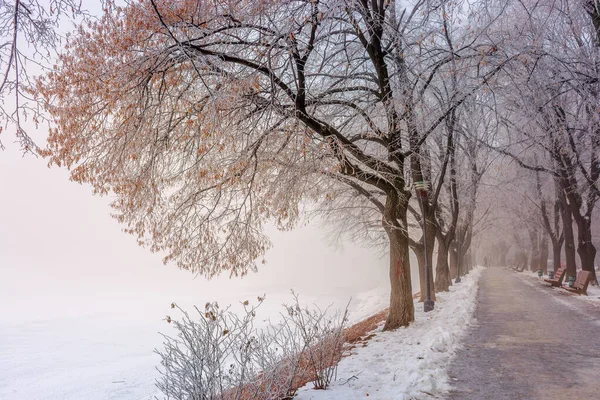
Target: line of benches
(582, 280)
(579, 286)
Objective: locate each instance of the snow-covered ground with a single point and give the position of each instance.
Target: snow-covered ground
(81, 304)
(409, 363)
(101, 356)
(57, 343)
(110, 355)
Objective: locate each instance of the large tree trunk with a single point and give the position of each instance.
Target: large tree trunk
(556, 253)
(465, 263)
(463, 266)
(585, 247)
(465, 237)
(402, 310)
(567, 219)
(421, 259)
(442, 270)
(420, 254)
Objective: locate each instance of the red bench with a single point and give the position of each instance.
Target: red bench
(558, 277)
(581, 283)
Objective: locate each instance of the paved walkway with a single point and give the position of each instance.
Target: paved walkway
(529, 343)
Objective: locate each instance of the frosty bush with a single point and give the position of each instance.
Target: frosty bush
(220, 355)
(322, 338)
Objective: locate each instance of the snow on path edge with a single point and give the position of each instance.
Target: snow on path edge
(409, 363)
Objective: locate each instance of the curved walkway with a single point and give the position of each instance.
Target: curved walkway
(528, 343)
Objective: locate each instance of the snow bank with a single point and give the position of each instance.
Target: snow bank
(409, 363)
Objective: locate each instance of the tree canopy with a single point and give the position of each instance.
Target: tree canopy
(210, 119)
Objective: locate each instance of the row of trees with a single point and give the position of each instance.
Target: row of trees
(551, 133)
(208, 119)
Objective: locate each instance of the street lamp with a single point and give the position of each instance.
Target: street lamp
(421, 188)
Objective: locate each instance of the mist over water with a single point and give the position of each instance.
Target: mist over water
(62, 255)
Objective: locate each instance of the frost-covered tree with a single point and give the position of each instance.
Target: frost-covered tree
(553, 98)
(208, 119)
(28, 40)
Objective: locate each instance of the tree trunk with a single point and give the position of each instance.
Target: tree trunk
(567, 219)
(420, 254)
(453, 260)
(469, 260)
(402, 310)
(442, 270)
(464, 238)
(534, 249)
(544, 253)
(556, 253)
(461, 267)
(464, 264)
(585, 247)
(427, 261)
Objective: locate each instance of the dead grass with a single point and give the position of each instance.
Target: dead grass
(294, 374)
(355, 335)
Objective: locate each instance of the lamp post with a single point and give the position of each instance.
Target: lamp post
(421, 188)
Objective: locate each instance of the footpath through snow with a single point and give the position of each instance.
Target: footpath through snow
(409, 363)
(530, 342)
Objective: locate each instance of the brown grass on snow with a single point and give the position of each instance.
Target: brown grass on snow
(293, 374)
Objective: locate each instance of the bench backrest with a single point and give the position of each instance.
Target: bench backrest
(560, 274)
(582, 280)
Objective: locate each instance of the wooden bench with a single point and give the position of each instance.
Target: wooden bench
(558, 277)
(581, 283)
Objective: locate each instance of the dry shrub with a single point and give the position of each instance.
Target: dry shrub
(222, 356)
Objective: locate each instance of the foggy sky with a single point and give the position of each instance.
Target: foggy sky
(61, 254)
